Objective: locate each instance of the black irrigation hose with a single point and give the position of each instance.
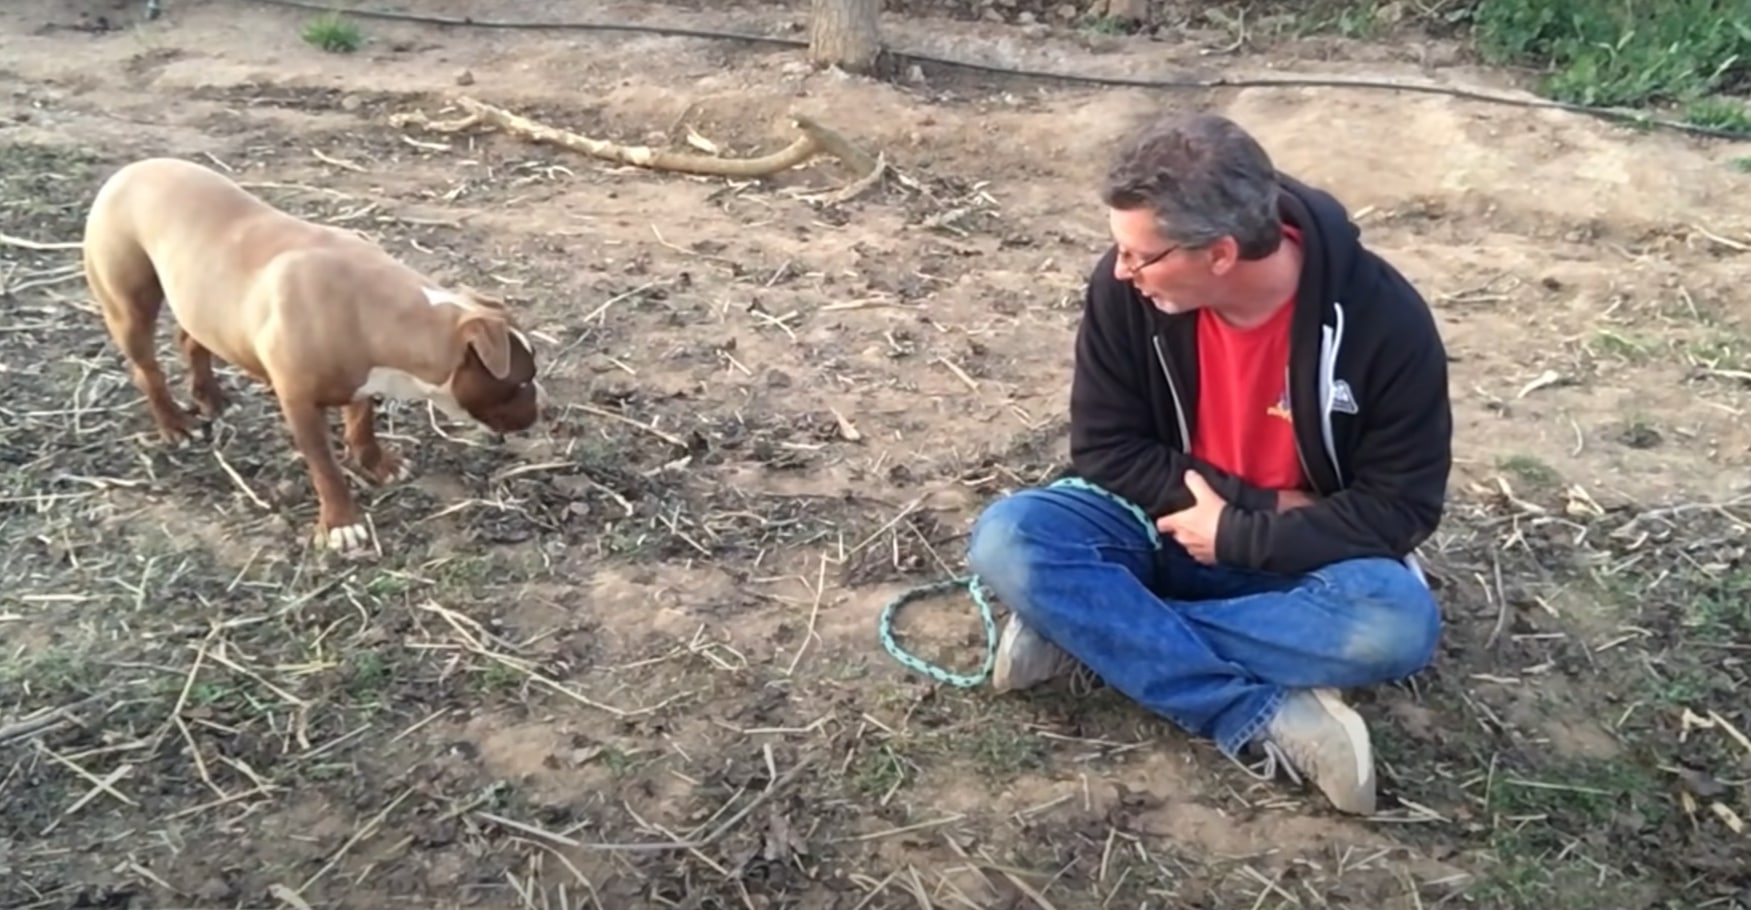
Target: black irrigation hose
(1606, 113)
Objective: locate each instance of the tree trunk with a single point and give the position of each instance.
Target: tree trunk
(845, 33)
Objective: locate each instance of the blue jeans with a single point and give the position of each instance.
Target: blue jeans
(1212, 648)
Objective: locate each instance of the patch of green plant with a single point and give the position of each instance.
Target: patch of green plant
(1627, 52)
(333, 33)
(1721, 113)
(1529, 469)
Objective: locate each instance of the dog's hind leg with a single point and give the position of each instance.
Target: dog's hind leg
(203, 386)
(131, 314)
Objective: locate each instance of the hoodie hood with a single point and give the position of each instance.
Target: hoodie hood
(1329, 233)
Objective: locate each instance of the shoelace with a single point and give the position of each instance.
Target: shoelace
(1082, 679)
(1274, 760)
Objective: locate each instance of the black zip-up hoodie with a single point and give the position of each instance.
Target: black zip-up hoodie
(1368, 396)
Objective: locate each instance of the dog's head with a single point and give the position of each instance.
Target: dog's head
(494, 382)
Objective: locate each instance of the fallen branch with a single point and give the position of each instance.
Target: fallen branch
(45, 719)
(856, 187)
(816, 139)
(38, 245)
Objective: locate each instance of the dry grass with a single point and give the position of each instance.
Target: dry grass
(194, 709)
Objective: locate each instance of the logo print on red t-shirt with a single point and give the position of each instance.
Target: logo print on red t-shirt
(1281, 408)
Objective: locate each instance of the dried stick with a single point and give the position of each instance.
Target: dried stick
(40, 721)
(816, 139)
(26, 243)
(369, 829)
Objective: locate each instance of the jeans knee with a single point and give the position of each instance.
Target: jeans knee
(998, 550)
(1396, 623)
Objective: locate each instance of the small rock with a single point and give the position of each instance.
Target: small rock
(1025, 18)
(1065, 11)
(1639, 435)
(351, 103)
(217, 890)
(465, 78)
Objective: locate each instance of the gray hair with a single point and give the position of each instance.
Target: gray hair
(1204, 178)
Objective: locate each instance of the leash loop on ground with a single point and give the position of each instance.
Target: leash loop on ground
(982, 599)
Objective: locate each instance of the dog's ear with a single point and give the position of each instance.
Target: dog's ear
(490, 338)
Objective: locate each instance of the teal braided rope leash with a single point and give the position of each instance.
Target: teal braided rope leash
(981, 599)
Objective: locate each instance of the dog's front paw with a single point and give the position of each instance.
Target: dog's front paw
(350, 541)
(175, 429)
(391, 467)
(382, 466)
(209, 398)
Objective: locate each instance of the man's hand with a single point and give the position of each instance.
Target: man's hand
(1195, 526)
(1292, 499)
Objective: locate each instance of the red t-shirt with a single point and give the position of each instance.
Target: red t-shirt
(1243, 399)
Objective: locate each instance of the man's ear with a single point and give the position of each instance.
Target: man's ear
(1223, 255)
(491, 340)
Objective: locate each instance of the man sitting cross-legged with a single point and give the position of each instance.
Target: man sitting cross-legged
(1272, 395)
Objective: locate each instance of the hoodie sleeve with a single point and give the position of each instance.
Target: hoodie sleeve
(1398, 475)
(1114, 438)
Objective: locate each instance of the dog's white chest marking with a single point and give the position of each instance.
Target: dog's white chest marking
(439, 298)
(392, 383)
(400, 386)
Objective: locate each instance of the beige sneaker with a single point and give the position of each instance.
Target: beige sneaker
(1318, 736)
(1024, 659)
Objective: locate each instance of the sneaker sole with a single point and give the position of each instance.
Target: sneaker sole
(1000, 671)
(1003, 671)
(1357, 729)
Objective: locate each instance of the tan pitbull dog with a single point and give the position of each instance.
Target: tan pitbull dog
(324, 317)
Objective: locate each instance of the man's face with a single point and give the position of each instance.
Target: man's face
(1175, 280)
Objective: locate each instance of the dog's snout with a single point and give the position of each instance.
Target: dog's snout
(520, 413)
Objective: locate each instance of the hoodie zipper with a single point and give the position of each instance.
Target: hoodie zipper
(1295, 432)
(1179, 408)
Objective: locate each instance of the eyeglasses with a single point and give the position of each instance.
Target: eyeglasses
(1125, 259)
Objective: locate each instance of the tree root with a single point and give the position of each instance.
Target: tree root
(816, 139)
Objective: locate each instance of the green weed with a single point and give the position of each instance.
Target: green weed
(1627, 53)
(333, 33)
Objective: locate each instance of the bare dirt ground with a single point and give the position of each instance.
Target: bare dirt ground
(653, 621)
